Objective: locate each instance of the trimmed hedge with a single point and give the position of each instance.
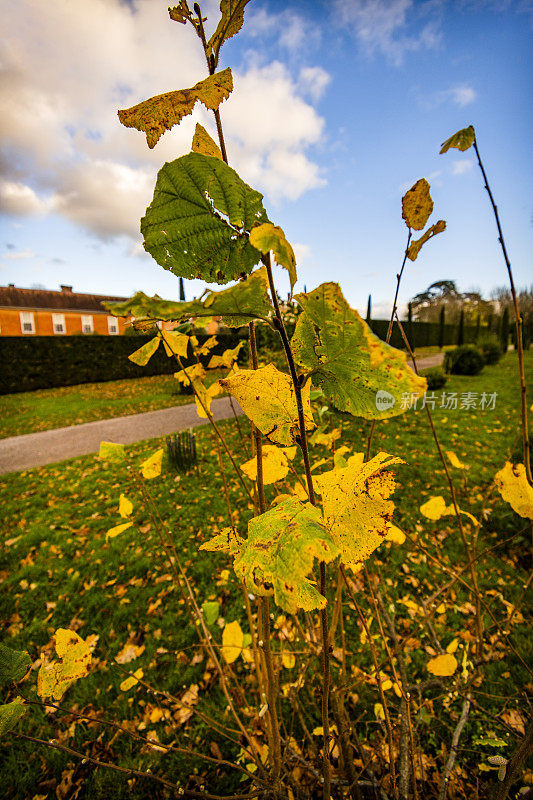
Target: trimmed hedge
(45, 362)
(424, 334)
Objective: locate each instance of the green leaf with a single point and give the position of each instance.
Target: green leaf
(210, 611)
(267, 397)
(196, 225)
(415, 247)
(491, 742)
(10, 713)
(357, 371)
(143, 355)
(417, 205)
(461, 140)
(279, 552)
(229, 24)
(202, 143)
(159, 114)
(109, 451)
(269, 237)
(237, 305)
(356, 509)
(14, 664)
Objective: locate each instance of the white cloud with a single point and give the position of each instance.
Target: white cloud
(461, 96)
(292, 32)
(302, 252)
(17, 256)
(67, 73)
(460, 167)
(392, 27)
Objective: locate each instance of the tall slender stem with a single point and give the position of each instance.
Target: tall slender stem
(518, 326)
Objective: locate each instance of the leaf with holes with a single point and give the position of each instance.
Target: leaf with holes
(267, 397)
(55, 677)
(356, 370)
(204, 144)
(269, 237)
(279, 553)
(417, 205)
(159, 114)
(357, 511)
(415, 247)
(196, 225)
(513, 486)
(461, 140)
(229, 24)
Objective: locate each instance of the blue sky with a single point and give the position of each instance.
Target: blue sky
(339, 107)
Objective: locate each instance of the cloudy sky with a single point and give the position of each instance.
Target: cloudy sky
(339, 107)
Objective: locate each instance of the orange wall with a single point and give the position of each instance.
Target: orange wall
(10, 323)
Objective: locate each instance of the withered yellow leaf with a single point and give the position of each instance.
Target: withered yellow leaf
(454, 461)
(204, 144)
(207, 346)
(192, 373)
(434, 509)
(356, 508)
(132, 681)
(394, 534)
(379, 712)
(275, 464)
(204, 396)
(417, 205)
(159, 114)
(513, 486)
(227, 541)
(227, 359)
(175, 343)
(232, 641)
(143, 355)
(288, 660)
(55, 677)
(269, 237)
(461, 140)
(109, 451)
(151, 468)
(267, 397)
(117, 530)
(125, 506)
(229, 24)
(452, 647)
(415, 247)
(443, 666)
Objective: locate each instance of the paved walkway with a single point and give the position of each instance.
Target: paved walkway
(48, 447)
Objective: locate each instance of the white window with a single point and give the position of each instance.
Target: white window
(27, 323)
(58, 322)
(112, 325)
(86, 323)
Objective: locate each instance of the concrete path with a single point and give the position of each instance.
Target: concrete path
(37, 449)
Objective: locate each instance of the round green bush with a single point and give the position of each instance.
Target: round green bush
(491, 349)
(464, 360)
(435, 376)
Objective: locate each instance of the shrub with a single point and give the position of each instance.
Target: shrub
(491, 349)
(436, 378)
(464, 360)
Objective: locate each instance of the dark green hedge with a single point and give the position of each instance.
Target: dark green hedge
(44, 362)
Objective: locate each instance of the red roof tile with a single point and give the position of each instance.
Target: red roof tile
(65, 300)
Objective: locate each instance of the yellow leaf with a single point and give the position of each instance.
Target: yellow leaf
(203, 397)
(175, 343)
(109, 451)
(379, 713)
(441, 609)
(232, 641)
(513, 486)
(395, 534)
(227, 359)
(129, 652)
(269, 237)
(267, 397)
(461, 140)
(151, 468)
(416, 246)
(288, 660)
(434, 509)
(117, 530)
(207, 346)
(443, 666)
(192, 373)
(229, 24)
(142, 356)
(125, 506)
(452, 647)
(356, 509)
(275, 464)
(417, 205)
(454, 461)
(156, 715)
(55, 677)
(327, 439)
(132, 681)
(204, 144)
(386, 685)
(161, 113)
(397, 690)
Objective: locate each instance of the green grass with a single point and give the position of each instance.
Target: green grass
(58, 571)
(44, 409)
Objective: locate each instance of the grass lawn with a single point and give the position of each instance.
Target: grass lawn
(44, 409)
(58, 571)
